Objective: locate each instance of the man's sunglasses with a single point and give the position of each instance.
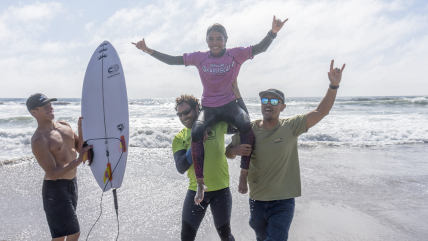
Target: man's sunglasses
(272, 101)
(184, 112)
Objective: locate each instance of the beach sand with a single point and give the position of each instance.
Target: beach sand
(348, 193)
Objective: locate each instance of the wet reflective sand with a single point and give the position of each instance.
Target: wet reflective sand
(347, 194)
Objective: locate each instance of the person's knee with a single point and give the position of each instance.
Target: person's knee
(73, 237)
(257, 222)
(59, 239)
(259, 228)
(253, 224)
(243, 123)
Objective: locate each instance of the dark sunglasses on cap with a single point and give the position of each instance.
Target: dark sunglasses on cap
(184, 112)
(272, 101)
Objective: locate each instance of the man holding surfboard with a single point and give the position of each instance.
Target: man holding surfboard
(217, 195)
(54, 145)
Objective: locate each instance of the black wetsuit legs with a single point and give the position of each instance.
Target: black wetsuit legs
(221, 208)
(235, 116)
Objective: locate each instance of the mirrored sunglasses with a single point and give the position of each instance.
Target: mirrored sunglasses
(273, 102)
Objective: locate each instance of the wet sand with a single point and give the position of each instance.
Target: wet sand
(347, 194)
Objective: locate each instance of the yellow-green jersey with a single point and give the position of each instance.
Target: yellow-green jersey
(216, 169)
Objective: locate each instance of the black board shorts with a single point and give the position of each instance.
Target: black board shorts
(59, 203)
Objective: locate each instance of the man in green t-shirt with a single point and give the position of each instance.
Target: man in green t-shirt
(274, 174)
(216, 174)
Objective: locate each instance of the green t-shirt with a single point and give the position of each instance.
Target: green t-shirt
(274, 172)
(216, 169)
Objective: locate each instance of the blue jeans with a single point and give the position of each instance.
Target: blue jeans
(271, 220)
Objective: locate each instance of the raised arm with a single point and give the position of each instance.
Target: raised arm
(44, 157)
(167, 59)
(324, 107)
(265, 43)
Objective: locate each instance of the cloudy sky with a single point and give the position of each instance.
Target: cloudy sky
(45, 46)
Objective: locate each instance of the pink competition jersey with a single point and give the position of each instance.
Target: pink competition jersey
(217, 73)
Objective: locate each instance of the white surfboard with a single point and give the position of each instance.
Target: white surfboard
(105, 115)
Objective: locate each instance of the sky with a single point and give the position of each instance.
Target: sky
(45, 46)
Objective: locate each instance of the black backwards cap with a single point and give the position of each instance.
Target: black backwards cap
(38, 100)
(274, 92)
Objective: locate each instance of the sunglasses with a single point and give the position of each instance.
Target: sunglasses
(184, 112)
(273, 102)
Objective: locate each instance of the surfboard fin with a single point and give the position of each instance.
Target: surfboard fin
(122, 143)
(107, 173)
(89, 155)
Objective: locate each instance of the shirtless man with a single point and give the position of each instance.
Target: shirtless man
(54, 145)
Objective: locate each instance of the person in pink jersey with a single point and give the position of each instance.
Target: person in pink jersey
(218, 68)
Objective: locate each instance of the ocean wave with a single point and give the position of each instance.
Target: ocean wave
(345, 134)
(373, 98)
(366, 122)
(23, 102)
(11, 139)
(12, 103)
(251, 101)
(420, 100)
(384, 101)
(65, 103)
(18, 120)
(354, 135)
(305, 103)
(161, 101)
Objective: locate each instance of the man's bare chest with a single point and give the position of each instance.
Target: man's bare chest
(61, 140)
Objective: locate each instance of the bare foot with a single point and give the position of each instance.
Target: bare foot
(200, 190)
(242, 187)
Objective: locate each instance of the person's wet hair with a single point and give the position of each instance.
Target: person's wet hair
(191, 100)
(219, 28)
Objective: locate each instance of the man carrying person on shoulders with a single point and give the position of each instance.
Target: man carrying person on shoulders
(54, 145)
(274, 173)
(217, 195)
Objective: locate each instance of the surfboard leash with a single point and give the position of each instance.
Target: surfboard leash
(114, 192)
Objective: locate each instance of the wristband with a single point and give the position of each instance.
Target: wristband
(334, 87)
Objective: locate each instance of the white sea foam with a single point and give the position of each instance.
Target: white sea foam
(420, 100)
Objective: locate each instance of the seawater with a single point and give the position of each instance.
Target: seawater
(363, 168)
(353, 121)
